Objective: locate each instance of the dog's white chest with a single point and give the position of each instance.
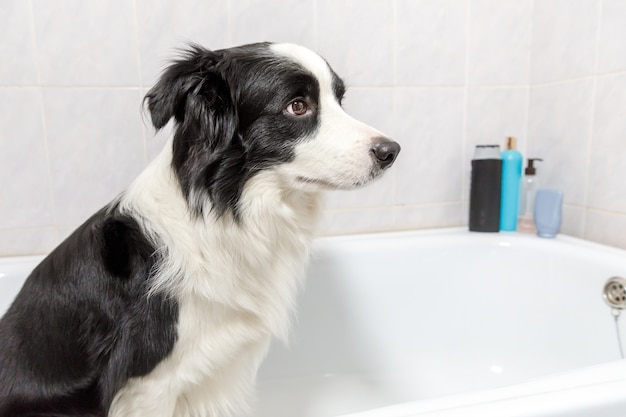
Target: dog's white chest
(221, 342)
(235, 285)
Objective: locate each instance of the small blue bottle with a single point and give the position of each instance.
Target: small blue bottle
(511, 182)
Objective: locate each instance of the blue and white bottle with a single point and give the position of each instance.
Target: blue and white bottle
(511, 182)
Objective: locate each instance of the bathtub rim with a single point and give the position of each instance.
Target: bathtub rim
(569, 391)
(459, 231)
(462, 231)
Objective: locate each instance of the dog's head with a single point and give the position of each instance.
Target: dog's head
(256, 107)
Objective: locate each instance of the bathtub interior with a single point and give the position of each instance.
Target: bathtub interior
(404, 317)
(386, 319)
(13, 272)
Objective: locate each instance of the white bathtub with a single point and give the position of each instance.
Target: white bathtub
(443, 323)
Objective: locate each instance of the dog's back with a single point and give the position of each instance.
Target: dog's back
(78, 330)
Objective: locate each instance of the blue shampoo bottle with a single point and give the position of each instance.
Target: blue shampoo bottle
(511, 182)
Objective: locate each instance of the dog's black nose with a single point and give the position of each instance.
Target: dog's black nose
(385, 152)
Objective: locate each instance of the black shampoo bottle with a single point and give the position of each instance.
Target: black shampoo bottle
(485, 189)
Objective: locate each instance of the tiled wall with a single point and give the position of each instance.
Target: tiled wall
(577, 111)
(438, 75)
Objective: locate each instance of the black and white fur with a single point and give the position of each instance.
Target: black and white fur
(163, 303)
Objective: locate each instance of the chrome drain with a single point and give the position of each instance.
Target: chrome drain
(614, 293)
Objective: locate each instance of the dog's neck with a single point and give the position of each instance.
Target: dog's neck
(273, 234)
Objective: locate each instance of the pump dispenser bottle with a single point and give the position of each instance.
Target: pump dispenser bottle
(511, 182)
(530, 183)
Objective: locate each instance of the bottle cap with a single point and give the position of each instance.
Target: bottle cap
(530, 169)
(487, 152)
(511, 143)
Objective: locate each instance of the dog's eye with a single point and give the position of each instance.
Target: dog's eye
(298, 108)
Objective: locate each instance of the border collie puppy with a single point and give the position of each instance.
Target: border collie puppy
(164, 302)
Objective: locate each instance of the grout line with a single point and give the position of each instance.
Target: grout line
(594, 92)
(394, 97)
(34, 40)
(464, 137)
(587, 208)
(140, 77)
(532, 41)
(443, 86)
(579, 78)
(46, 150)
(50, 228)
(229, 22)
(316, 43)
(352, 86)
(610, 73)
(73, 86)
(529, 75)
(603, 211)
(44, 125)
(526, 124)
(392, 206)
(394, 42)
(137, 44)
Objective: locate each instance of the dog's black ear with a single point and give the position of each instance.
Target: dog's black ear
(208, 156)
(188, 82)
